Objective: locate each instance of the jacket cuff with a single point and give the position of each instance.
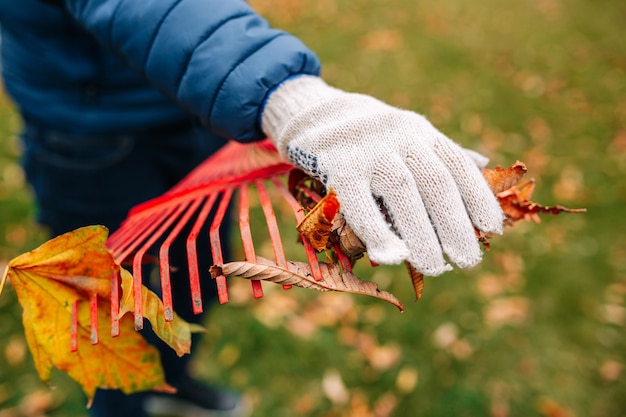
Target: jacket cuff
(289, 98)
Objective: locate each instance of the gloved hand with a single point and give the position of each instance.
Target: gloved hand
(365, 149)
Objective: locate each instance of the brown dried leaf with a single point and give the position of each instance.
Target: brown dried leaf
(417, 278)
(343, 235)
(300, 275)
(516, 204)
(515, 197)
(500, 179)
(316, 225)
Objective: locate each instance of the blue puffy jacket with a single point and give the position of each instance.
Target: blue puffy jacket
(106, 66)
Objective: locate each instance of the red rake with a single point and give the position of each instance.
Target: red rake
(210, 187)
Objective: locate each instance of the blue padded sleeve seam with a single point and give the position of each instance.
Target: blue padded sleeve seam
(113, 19)
(157, 29)
(202, 39)
(219, 89)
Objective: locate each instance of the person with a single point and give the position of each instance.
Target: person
(121, 98)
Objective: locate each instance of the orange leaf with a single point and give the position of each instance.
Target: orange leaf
(417, 279)
(515, 197)
(48, 281)
(500, 179)
(316, 225)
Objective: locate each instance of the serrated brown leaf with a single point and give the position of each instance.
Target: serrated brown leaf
(300, 275)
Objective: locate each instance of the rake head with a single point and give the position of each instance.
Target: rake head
(235, 170)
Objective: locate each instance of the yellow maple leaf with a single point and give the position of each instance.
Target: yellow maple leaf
(70, 270)
(176, 333)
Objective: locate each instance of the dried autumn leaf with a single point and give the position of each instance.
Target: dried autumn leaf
(176, 333)
(500, 179)
(515, 197)
(299, 274)
(316, 225)
(308, 192)
(516, 204)
(382, 40)
(343, 235)
(417, 279)
(48, 281)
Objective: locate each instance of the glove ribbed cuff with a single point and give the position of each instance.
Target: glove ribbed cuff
(290, 98)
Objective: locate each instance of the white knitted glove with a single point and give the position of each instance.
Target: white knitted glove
(365, 149)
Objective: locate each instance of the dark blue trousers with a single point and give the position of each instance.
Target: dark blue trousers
(83, 180)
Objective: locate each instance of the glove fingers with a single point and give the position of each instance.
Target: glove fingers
(482, 206)
(445, 207)
(362, 213)
(395, 184)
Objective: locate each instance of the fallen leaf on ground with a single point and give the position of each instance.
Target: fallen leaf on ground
(299, 274)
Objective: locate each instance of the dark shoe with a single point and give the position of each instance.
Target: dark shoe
(195, 399)
(114, 403)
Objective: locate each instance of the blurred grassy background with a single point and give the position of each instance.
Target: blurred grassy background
(538, 329)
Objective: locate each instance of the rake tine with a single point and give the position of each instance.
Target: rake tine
(164, 256)
(144, 229)
(74, 327)
(127, 232)
(171, 215)
(114, 239)
(246, 235)
(344, 261)
(299, 213)
(115, 304)
(257, 158)
(93, 310)
(216, 245)
(272, 227)
(192, 254)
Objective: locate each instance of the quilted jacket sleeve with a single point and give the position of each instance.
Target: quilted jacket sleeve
(217, 58)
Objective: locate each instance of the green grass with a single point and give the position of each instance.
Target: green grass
(538, 329)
